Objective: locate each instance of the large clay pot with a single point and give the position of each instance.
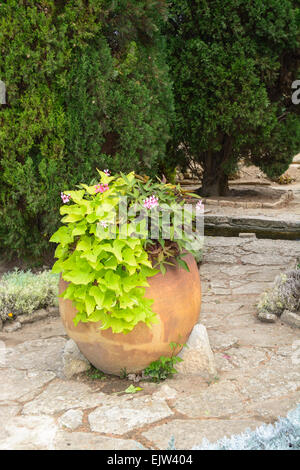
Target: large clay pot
(177, 302)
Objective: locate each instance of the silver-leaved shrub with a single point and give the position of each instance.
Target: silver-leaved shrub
(23, 292)
(285, 294)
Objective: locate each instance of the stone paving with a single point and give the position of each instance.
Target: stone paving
(258, 365)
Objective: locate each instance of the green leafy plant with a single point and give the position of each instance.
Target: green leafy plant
(164, 368)
(106, 254)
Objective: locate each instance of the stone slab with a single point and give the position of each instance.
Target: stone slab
(218, 400)
(125, 414)
(62, 396)
(71, 419)
(38, 354)
(28, 433)
(17, 384)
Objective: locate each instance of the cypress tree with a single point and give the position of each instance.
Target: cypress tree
(233, 63)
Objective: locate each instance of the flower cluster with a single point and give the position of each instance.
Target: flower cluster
(151, 202)
(101, 188)
(200, 207)
(65, 197)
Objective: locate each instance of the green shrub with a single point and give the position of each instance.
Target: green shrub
(87, 86)
(24, 292)
(233, 63)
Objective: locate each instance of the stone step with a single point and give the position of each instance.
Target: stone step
(264, 227)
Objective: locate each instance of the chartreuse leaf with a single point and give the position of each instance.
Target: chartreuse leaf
(77, 196)
(133, 389)
(98, 295)
(113, 281)
(111, 263)
(61, 251)
(109, 299)
(89, 256)
(128, 301)
(129, 258)
(79, 229)
(131, 282)
(74, 213)
(92, 218)
(80, 317)
(62, 236)
(89, 189)
(58, 266)
(117, 247)
(85, 244)
(90, 304)
(79, 277)
(133, 242)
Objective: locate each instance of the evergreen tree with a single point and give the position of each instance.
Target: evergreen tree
(233, 63)
(87, 87)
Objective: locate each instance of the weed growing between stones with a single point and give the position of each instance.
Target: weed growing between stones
(164, 368)
(95, 374)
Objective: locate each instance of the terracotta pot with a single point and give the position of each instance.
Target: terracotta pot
(177, 302)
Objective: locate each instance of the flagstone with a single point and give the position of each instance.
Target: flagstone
(16, 384)
(126, 414)
(28, 433)
(38, 354)
(64, 395)
(218, 400)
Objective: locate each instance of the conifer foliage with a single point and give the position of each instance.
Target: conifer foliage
(87, 86)
(233, 63)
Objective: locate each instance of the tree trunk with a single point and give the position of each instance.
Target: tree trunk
(215, 184)
(215, 180)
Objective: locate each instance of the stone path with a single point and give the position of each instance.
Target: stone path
(258, 371)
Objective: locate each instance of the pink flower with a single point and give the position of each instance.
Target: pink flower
(151, 202)
(101, 188)
(104, 224)
(65, 197)
(200, 207)
(107, 172)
